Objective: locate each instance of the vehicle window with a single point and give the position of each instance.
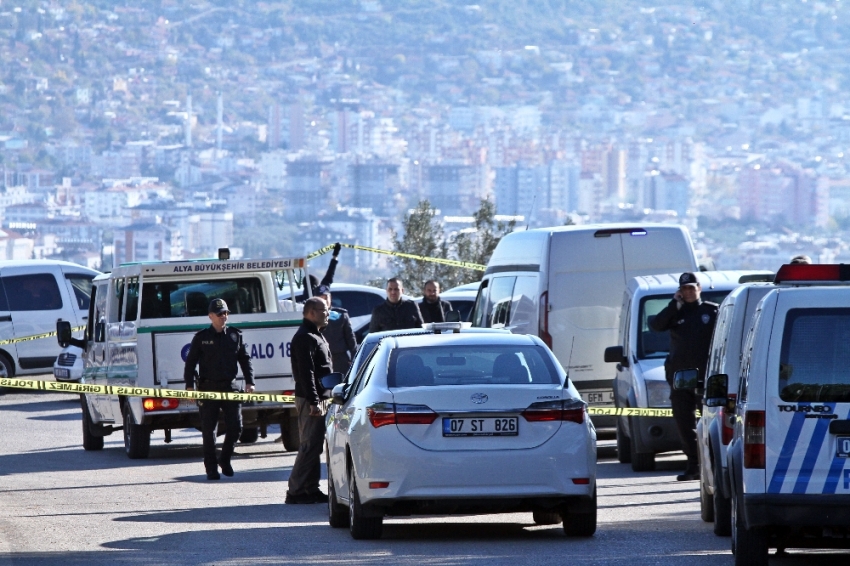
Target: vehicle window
(4, 303)
(747, 357)
(524, 306)
(357, 303)
(479, 311)
(499, 302)
(814, 361)
(463, 308)
(132, 299)
(360, 379)
(719, 340)
(81, 284)
(114, 314)
(36, 292)
(192, 298)
(100, 303)
(470, 365)
(653, 344)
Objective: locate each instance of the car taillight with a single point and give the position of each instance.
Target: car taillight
(727, 420)
(543, 320)
(156, 404)
(381, 414)
(754, 439)
(571, 411)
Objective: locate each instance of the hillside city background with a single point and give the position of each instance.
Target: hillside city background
(166, 129)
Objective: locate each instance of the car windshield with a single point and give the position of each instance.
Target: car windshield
(815, 359)
(653, 344)
(471, 365)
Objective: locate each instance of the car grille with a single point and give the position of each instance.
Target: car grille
(66, 359)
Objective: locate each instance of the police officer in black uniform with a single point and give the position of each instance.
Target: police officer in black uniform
(218, 349)
(690, 321)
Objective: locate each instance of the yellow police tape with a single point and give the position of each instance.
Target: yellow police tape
(632, 412)
(130, 391)
(452, 262)
(35, 336)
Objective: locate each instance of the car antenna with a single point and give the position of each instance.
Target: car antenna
(569, 363)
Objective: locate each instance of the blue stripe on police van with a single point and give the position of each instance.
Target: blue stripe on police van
(811, 458)
(835, 472)
(787, 452)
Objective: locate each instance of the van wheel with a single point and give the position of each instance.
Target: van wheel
(7, 365)
(750, 547)
(289, 432)
(722, 507)
(249, 435)
(90, 441)
(137, 438)
(582, 524)
(624, 445)
(361, 527)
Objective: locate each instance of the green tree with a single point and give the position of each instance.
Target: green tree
(422, 235)
(477, 245)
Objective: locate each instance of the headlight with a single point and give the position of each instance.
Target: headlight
(657, 394)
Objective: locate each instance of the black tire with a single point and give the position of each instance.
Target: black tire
(137, 438)
(249, 435)
(581, 524)
(624, 445)
(291, 438)
(546, 517)
(361, 528)
(706, 501)
(641, 461)
(337, 514)
(750, 547)
(7, 365)
(722, 506)
(90, 441)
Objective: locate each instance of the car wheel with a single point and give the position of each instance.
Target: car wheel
(249, 435)
(624, 445)
(90, 441)
(361, 527)
(749, 546)
(706, 500)
(546, 517)
(289, 432)
(582, 523)
(7, 365)
(137, 438)
(722, 506)
(337, 514)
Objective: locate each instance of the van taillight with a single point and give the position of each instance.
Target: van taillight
(555, 411)
(156, 404)
(754, 439)
(543, 319)
(382, 414)
(727, 420)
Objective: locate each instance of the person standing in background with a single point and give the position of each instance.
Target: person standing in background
(433, 308)
(396, 313)
(338, 333)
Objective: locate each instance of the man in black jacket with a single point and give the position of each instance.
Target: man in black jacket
(338, 333)
(433, 308)
(218, 349)
(311, 361)
(395, 313)
(690, 321)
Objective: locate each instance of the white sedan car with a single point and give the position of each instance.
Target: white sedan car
(460, 423)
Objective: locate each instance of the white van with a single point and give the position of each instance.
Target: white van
(566, 286)
(640, 380)
(141, 321)
(34, 294)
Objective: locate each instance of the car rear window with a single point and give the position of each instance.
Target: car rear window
(814, 364)
(471, 365)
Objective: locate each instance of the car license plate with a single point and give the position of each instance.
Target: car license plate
(842, 446)
(601, 397)
(58, 372)
(481, 426)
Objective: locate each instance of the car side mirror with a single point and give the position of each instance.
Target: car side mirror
(614, 355)
(453, 316)
(686, 379)
(332, 380)
(338, 394)
(716, 390)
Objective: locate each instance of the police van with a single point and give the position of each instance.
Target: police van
(788, 459)
(141, 321)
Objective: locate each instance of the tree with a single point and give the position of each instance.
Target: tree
(477, 245)
(423, 236)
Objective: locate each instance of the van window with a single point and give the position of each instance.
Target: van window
(499, 302)
(746, 357)
(523, 319)
(100, 303)
(479, 312)
(653, 344)
(719, 340)
(118, 304)
(192, 298)
(36, 292)
(4, 303)
(814, 364)
(81, 284)
(132, 299)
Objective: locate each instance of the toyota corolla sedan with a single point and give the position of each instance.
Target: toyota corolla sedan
(460, 423)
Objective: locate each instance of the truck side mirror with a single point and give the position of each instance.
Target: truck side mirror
(63, 333)
(686, 379)
(716, 390)
(614, 355)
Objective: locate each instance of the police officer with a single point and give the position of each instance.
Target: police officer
(218, 349)
(690, 321)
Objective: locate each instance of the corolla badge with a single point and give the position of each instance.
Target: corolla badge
(478, 398)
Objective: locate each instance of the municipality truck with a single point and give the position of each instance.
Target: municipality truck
(141, 321)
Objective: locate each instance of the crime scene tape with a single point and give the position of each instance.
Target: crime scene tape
(35, 336)
(632, 412)
(130, 391)
(452, 262)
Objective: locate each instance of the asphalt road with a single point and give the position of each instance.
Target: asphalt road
(62, 505)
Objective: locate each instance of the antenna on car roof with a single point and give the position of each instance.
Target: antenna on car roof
(569, 362)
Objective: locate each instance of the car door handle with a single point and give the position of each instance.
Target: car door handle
(6, 318)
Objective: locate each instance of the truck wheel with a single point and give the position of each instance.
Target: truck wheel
(582, 524)
(137, 438)
(722, 507)
(249, 435)
(749, 546)
(362, 528)
(291, 438)
(90, 441)
(337, 514)
(624, 445)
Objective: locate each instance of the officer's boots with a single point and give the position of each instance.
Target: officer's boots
(224, 459)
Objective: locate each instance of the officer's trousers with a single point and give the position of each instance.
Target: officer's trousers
(209, 410)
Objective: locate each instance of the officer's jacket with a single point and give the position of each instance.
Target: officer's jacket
(311, 361)
(218, 354)
(690, 333)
